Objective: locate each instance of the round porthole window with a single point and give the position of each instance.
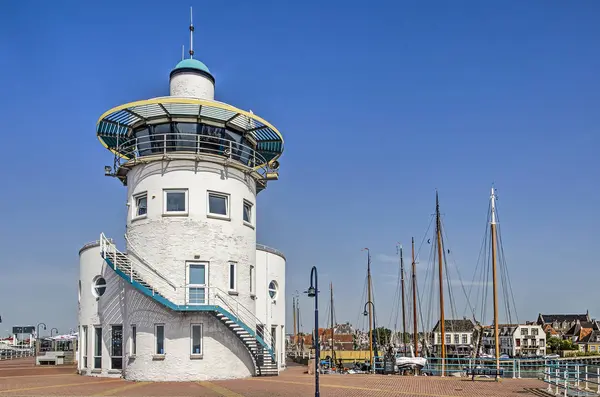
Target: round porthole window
(273, 289)
(98, 286)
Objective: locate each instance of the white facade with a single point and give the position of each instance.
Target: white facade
(192, 287)
(192, 85)
(524, 340)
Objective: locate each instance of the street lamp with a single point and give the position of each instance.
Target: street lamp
(53, 330)
(37, 342)
(366, 313)
(313, 291)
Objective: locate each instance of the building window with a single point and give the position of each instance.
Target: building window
(97, 347)
(464, 339)
(133, 340)
(98, 286)
(534, 331)
(84, 334)
(197, 283)
(518, 343)
(218, 204)
(542, 343)
(247, 212)
(448, 339)
(273, 289)
(456, 339)
(524, 331)
(196, 339)
(79, 292)
(159, 336)
(592, 348)
(252, 279)
(175, 201)
(116, 347)
(232, 276)
(140, 205)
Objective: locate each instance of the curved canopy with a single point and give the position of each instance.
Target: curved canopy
(115, 126)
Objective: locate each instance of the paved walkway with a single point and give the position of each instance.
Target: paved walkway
(23, 379)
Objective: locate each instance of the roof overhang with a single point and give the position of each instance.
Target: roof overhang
(116, 125)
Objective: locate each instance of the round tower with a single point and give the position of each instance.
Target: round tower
(187, 288)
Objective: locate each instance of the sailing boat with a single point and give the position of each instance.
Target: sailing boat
(403, 361)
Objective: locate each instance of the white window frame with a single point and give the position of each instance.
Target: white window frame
(135, 206)
(155, 350)
(133, 341)
(192, 353)
(96, 327)
(111, 347)
(249, 204)
(175, 213)
(226, 196)
(188, 285)
(95, 293)
(234, 265)
(84, 346)
(276, 289)
(252, 286)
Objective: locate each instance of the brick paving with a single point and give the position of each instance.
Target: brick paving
(26, 380)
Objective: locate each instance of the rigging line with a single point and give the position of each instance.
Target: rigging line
(424, 237)
(362, 299)
(479, 258)
(468, 302)
(506, 267)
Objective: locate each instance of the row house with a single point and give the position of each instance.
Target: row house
(516, 340)
(460, 338)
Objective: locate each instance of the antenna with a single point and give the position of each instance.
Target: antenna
(191, 35)
(182, 52)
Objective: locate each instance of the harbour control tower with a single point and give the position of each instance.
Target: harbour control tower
(191, 295)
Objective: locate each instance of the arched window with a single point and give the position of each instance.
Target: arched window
(98, 286)
(273, 289)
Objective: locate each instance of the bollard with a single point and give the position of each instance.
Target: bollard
(586, 378)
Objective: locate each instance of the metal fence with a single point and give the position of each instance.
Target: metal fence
(13, 354)
(572, 379)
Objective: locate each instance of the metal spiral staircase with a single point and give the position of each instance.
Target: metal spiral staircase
(239, 319)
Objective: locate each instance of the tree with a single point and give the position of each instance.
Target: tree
(553, 343)
(382, 335)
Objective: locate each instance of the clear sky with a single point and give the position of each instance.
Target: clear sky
(380, 103)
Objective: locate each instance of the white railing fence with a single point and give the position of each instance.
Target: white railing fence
(14, 354)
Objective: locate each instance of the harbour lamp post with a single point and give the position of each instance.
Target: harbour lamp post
(53, 330)
(37, 338)
(366, 313)
(313, 291)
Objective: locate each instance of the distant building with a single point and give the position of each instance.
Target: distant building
(590, 343)
(516, 340)
(561, 322)
(459, 338)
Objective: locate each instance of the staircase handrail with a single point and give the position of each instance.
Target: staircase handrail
(246, 314)
(111, 252)
(145, 262)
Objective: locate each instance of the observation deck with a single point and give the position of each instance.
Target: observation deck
(176, 127)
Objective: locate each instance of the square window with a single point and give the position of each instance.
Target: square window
(140, 205)
(247, 212)
(196, 339)
(175, 202)
(218, 204)
(159, 335)
(133, 340)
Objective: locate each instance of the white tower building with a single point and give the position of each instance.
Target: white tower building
(192, 297)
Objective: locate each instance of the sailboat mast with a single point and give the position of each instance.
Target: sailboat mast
(414, 288)
(332, 352)
(403, 308)
(493, 237)
(441, 279)
(370, 304)
(294, 311)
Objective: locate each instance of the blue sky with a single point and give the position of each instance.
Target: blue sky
(380, 103)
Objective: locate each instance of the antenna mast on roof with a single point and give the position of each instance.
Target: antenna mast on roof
(183, 52)
(191, 35)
